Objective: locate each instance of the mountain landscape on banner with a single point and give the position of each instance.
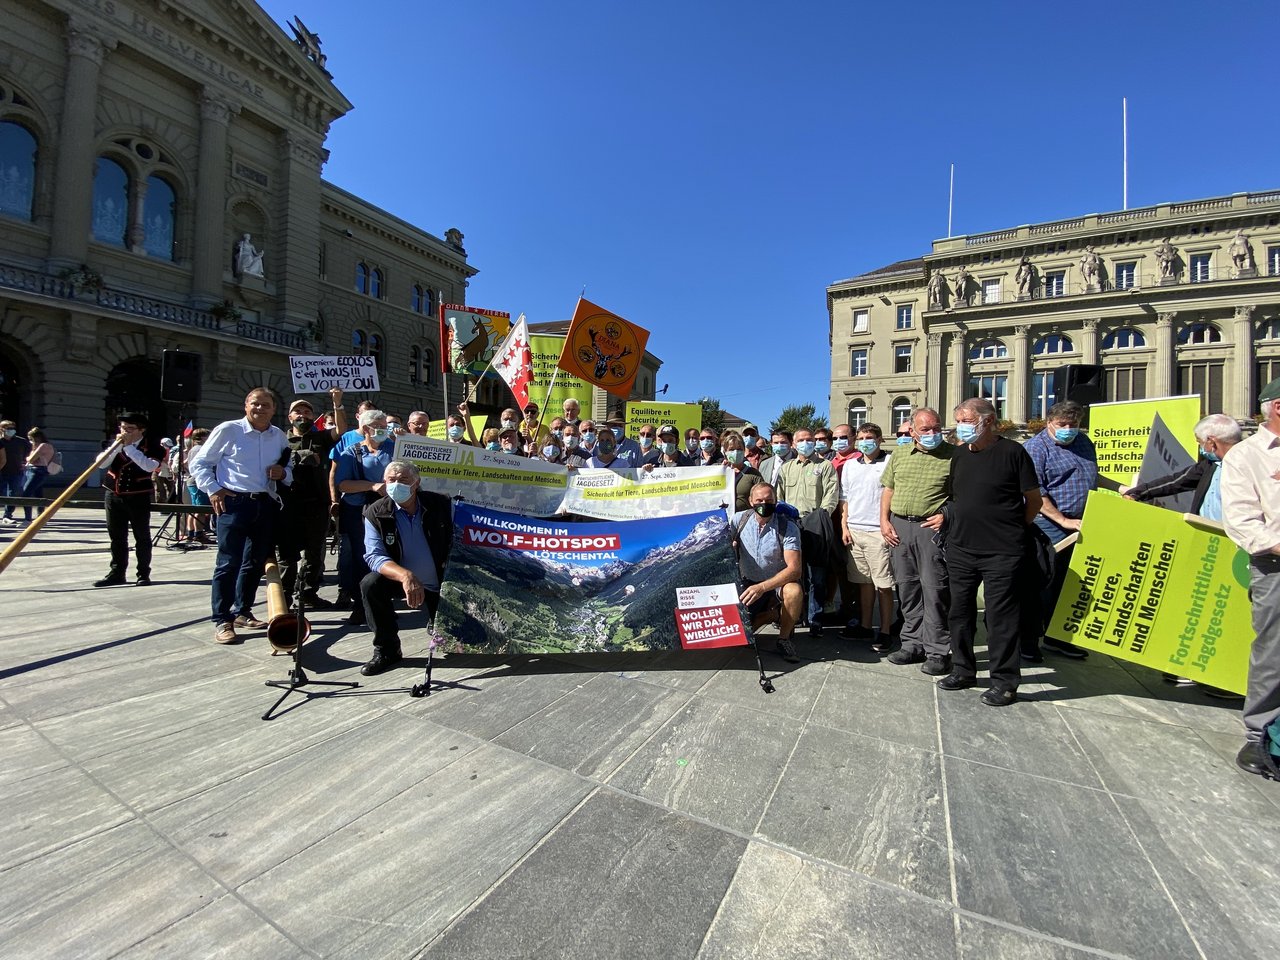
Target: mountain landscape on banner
(509, 601)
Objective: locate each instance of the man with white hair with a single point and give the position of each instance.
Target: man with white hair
(1216, 434)
(1251, 515)
(358, 478)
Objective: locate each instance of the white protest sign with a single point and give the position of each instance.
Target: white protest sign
(322, 374)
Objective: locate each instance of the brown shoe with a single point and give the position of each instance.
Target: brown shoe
(249, 623)
(226, 633)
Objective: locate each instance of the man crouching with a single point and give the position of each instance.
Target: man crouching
(407, 535)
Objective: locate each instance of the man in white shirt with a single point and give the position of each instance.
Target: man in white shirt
(868, 554)
(238, 467)
(1251, 514)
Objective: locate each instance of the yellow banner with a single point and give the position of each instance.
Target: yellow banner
(682, 416)
(437, 429)
(1120, 431)
(1147, 586)
(628, 490)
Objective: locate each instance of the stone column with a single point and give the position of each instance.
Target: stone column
(73, 165)
(1162, 381)
(934, 365)
(1243, 389)
(957, 377)
(1089, 340)
(209, 238)
(295, 234)
(1019, 362)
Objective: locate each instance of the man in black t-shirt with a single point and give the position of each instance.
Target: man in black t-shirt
(304, 520)
(995, 497)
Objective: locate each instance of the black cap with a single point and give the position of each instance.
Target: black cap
(133, 416)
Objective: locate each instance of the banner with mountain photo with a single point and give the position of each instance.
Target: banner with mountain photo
(515, 584)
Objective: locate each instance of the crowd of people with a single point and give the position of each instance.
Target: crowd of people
(25, 466)
(887, 540)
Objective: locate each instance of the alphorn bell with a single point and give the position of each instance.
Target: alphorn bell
(282, 623)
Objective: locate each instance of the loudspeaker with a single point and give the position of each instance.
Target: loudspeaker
(1081, 382)
(180, 377)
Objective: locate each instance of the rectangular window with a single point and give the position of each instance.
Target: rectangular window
(991, 291)
(902, 359)
(1126, 275)
(1054, 283)
(1273, 261)
(861, 321)
(991, 388)
(858, 363)
(1200, 268)
(904, 317)
(1042, 395)
(1126, 383)
(1203, 377)
(1267, 370)
(324, 256)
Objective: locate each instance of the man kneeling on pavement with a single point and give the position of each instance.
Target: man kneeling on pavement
(768, 548)
(407, 535)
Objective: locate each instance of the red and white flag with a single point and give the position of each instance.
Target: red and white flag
(513, 361)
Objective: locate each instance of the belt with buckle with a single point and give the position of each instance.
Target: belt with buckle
(232, 494)
(912, 519)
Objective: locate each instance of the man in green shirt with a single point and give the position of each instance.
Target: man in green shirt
(917, 482)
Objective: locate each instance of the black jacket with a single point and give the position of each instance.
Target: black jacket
(1196, 477)
(437, 521)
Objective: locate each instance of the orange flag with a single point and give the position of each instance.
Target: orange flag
(603, 349)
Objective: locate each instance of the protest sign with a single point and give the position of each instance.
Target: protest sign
(603, 348)
(439, 429)
(322, 374)
(683, 416)
(503, 481)
(1121, 432)
(627, 494)
(469, 336)
(519, 585)
(708, 617)
(1146, 586)
(546, 355)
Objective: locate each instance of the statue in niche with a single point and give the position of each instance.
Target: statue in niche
(1167, 257)
(248, 262)
(1241, 253)
(1091, 268)
(937, 290)
(1025, 278)
(962, 287)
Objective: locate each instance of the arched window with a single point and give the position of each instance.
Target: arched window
(857, 413)
(1052, 343)
(110, 202)
(1126, 338)
(988, 350)
(429, 367)
(415, 364)
(362, 278)
(377, 350)
(428, 302)
(375, 284)
(158, 214)
(1197, 333)
(901, 412)
(17, 170)
(418, 302)
(359, 342)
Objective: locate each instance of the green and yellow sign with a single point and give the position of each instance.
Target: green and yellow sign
(1120, 432)
(546, 354)
(1147, 586)
(683, 416)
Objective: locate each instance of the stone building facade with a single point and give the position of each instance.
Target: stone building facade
(1179, 298)
(161, 189)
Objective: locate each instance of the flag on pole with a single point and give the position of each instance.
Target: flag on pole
(513, 362)
(604, 349)
(189, 428)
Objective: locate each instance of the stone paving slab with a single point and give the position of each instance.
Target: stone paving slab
(650, 804)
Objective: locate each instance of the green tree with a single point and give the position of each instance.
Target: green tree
(795, 418)
(712, 415)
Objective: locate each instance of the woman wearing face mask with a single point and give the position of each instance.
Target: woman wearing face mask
(745, 475)
(605, 455)
(490, 439)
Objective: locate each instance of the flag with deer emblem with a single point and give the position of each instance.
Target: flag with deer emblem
(604, 349)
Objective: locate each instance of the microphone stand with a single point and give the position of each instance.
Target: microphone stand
(297, 676)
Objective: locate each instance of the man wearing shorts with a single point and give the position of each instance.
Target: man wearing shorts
(868, 553)
(768, 548)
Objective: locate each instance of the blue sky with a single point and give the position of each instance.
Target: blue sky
(706, 169)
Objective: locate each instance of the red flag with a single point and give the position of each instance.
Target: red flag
(189, 429)
(513, 362)
(320, 421)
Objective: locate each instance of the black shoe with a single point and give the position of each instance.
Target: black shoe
(142, 581)
(956, 681)
(110, 580)
(999, 697)
(1251, 760)
(1032, 656)
(1066, 649)
(902, 657)
(882, 643)
(787, 650)
(316, 602)
(343, 602)
(380, 662)
(356, 618)
(853, 630)
(815, 629)
(936, 666)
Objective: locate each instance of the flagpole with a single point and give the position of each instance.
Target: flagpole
(445, 363)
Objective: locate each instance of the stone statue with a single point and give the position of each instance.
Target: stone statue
(937, 290)
(1242, 253)
(1091, 268)
(962, 287)
(1167, 256)
(453, 237)
(248, 258)
(1025, 278)
(308, 41)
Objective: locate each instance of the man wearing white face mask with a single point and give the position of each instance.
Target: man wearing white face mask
(359, 479)
(867, 564)
(407, 535)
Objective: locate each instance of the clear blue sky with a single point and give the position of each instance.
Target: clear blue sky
(706, 169)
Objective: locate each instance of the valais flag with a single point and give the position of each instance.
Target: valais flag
(513, 362)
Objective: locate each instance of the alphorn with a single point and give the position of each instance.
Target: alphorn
(282, 623)
(26, 536)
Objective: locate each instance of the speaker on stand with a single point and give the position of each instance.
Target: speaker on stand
(1082, 382)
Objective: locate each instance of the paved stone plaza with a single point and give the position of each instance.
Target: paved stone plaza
(625, 806)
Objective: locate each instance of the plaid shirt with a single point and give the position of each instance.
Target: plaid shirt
(920, 480)
(1066, 474)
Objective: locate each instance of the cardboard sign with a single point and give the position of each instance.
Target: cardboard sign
(322, 374)
(708, 617)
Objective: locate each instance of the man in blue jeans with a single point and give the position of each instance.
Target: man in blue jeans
(238, 468)
(14, 451)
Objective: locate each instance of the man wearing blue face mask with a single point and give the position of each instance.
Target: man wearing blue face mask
(667, 452)
(809, 484)
(782, 451)
(407, 535)
(1067, 468)
(708, 454)
(867, 563)
(626, 449)
(358, 479)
